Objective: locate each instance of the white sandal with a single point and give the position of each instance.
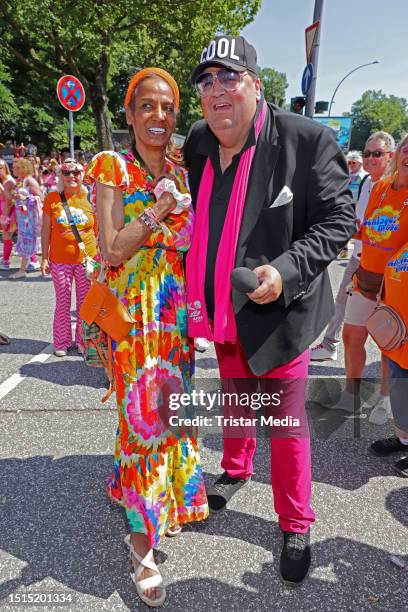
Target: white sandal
(173, 531)
(147, 583)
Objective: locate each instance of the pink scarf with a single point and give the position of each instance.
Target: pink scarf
(225, 329)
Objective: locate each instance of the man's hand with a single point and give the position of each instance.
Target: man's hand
(271, 285)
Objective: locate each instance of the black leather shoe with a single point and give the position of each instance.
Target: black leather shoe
(387, 446)
(295, 557)
(402, 467)
(222, 490)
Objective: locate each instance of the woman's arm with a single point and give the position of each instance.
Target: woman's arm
(119, 241)
(45, 243)
(5, 211)
(8, 192)
(35, 188)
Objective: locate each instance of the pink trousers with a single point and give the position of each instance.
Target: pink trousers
(290, 456)
(63, 276)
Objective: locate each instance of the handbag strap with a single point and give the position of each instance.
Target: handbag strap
(72, 223)
(379, 294)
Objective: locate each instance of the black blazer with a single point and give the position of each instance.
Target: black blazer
(299, 239)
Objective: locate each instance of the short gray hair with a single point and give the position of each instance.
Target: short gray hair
(387, 139)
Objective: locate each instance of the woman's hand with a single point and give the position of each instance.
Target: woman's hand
(164, 205)
(45, 267)
(4, 221)
(357, 235)
(167, 175)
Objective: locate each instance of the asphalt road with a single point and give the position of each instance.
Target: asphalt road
(60, 536)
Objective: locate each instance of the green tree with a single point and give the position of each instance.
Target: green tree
(84, 126)
(376, 111)
(101, 40)
(275, 84)
(8, 107)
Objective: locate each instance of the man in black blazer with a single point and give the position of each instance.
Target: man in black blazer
(297, 216)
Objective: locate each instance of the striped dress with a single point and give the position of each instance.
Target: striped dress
(157, 475)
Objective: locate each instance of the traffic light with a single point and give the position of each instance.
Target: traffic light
(297, 104)
(321, 107)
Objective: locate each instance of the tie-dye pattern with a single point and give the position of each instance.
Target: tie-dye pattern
(157, 474)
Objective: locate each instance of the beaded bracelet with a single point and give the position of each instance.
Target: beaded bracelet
(152, 214)
(149, 221)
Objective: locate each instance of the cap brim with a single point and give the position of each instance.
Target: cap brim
(201, 67)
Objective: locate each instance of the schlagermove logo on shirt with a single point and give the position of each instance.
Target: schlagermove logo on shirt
(399, 264)
(382, 223)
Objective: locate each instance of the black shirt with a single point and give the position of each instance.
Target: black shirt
(220, 197)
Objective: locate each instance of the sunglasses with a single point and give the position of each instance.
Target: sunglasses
(228, 79)
(73, 172)
(376, 154)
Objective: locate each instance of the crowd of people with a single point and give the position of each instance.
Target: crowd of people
(254, 206)
(376, 271)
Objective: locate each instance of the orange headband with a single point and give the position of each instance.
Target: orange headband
(148, 72)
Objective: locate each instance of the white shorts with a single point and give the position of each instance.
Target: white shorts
(358, 309)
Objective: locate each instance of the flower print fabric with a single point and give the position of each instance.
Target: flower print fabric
(157, 474)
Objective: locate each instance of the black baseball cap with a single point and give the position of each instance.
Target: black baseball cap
(229, 51)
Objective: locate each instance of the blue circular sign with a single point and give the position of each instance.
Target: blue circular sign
(307, 79)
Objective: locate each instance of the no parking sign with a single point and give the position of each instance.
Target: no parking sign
(71, 93)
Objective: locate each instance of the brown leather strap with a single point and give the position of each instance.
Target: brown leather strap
(109, 372)
(369, 282)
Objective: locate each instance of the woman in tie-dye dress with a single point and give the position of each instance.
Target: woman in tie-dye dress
(157, 474)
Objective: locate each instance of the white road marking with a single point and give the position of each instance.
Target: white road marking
(15, 379)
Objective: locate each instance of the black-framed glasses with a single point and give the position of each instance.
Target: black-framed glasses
(227, 78)
(377, 154)
(73, 172)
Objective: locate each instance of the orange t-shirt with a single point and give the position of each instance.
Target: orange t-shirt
(396, 296)
(63, 245)
(382, 234)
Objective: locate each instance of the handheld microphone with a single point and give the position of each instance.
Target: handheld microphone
(244, 280)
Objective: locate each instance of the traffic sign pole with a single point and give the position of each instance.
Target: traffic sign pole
(310, 98)
(71, 134)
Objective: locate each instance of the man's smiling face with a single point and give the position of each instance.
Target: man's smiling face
(231, 111)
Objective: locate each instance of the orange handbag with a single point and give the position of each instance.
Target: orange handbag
(102, 307)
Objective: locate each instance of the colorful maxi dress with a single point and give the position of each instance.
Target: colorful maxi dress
(157, 474)
(28, 211)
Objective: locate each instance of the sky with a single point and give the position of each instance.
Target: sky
(353, 32)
